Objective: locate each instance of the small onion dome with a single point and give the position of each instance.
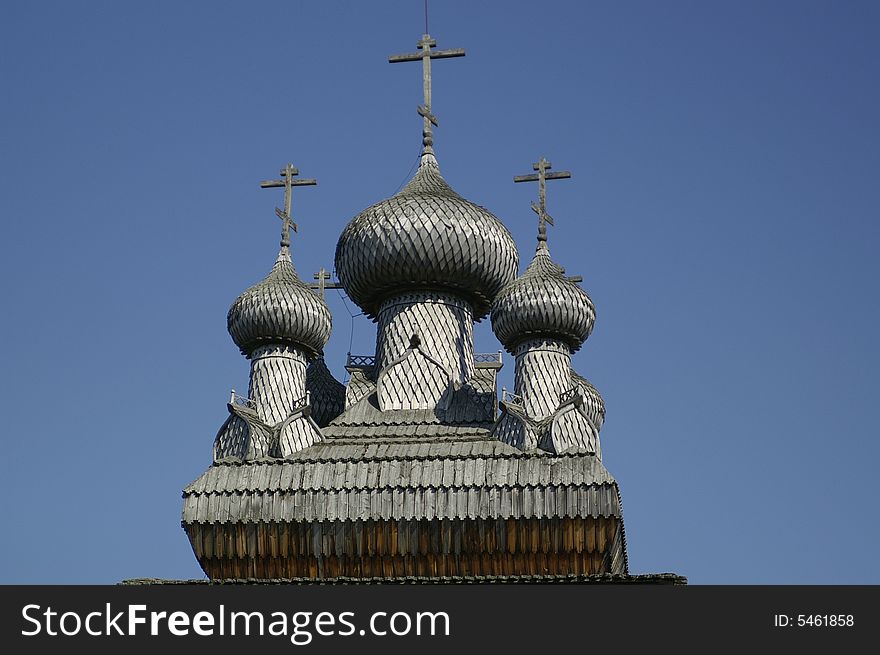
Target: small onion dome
(543, 303)
(426, 237)
(279, 310)
(593, 402)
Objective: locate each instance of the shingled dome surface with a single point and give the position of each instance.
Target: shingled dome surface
(543, 303)
(280, 309)
(425, 237)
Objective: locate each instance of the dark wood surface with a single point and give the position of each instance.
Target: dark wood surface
(558, 546)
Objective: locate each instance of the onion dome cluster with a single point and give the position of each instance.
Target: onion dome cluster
(426, 237)
(543, 303)
(280, 310)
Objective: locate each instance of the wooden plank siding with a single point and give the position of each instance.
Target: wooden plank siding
(396, 548)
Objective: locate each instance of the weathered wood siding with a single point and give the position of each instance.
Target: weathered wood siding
(394, 548)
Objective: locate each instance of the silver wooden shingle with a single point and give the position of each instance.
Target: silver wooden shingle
(280, 309)
(326, 393)
(411, 240)
(543, 302)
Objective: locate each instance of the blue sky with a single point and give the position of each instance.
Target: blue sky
(723, 212)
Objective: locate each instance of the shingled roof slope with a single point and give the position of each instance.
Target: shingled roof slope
(341, 479)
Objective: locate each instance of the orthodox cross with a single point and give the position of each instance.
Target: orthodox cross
(288, 173)
(541, 177)
(426, 55)
(322, 276)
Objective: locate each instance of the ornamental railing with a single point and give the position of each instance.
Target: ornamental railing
(570, 394)
(360, 361)
(250, 403)
(299, 403)
(487, 358)
(243, 401)
(365, 361)
(511, 398)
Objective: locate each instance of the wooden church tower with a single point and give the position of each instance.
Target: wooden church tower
(415, 469)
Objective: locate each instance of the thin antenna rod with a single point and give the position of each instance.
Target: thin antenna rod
(426, 18)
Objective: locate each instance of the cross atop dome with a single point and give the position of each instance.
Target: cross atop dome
(288, 173)
(542, 166)
(324, 281)
(426, 55)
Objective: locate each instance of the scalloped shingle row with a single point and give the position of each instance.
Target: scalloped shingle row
(476, 478)
(392, 504)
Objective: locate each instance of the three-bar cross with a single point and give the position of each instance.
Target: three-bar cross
(426, 55)
(288, 173)
(322, 277)
(542, 166)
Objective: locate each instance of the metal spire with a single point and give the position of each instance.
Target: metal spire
(426, 55)
(542, 166)
(287, 173)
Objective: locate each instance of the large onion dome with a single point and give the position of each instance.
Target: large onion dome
(543, 303)
(280, 310)
(426, 237)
